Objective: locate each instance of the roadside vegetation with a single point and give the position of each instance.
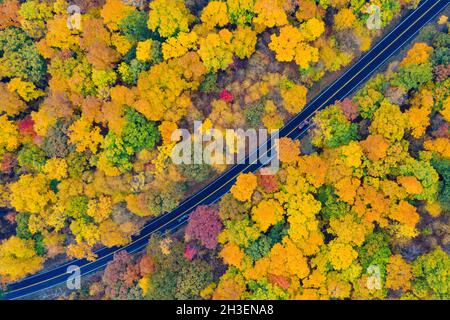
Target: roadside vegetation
(88, 103)
(358, 210)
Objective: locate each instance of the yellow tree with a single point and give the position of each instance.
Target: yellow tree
(389, 121)
(245, 185)
(344, 19)
(9, 14)
(9, 136)
(341, 255)
(55, 168)
(267, 213)
(399, 274)
(287, 260)
(169, 17)
(59, 35)
(84, 135)
(304, 226)
(232, 255)
(294, 98)
(288, 150)
(113, 11)
(440, 145)
(286, 43)
(231, 286)
(407, 217)
(418, 54)
(99, 209)
(167, 128)
(214, 14)
(375, 147)
(178, 46)
(332, 58)
(269, 13)
(164, 88)
(312, 29)
(445, 112)
(305, 55)
(271, 119)
(348, 229)
(26, 90)
(31, 193)
(351, 155)
(18, 259)
(301, 207)
(411, 184)
(54, 243)
(144, 50)
(244, 42)
(80, 250)
(216, 50)
(113, 234)
(346, 189)
(418, 115)
(339, 4)
(291, 43)
(10, 102)
(314, 168)
(371, 205)
(307, 10)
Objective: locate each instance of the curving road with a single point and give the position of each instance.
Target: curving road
(167, 222)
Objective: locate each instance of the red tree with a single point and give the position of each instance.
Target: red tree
(190, 252)
(349, 108)
(226, 96)
(8, 162)
(146, 266)
(268, 181)
(120, 277)
(204, 225)
(26, 127)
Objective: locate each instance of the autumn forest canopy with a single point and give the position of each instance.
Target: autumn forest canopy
(359, 209)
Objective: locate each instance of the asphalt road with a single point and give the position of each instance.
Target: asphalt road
(167, 222)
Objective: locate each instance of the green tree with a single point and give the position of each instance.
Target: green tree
(442, 166)
(375, 251)
(31, 157)
(440, 55)
(192, 279)
(432, 276)
(333, 129)
(129, 72)
(76, 163)
(159, 202)
(56, 140)
(117, 152)
(134, 27)
(175, 277)
(77, 207)
(22, 230)
(195, 172)
(209, 83)
(139, 133)
(253, 113)
(369, 98)
(19, 57)
(331, 207)
(413, 75)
